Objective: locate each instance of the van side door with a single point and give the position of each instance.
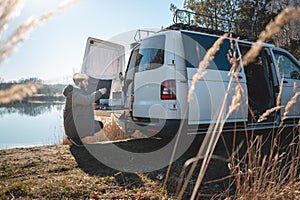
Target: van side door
(211, 89)
(262, 84)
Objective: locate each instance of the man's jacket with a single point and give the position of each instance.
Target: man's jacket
(79, 112)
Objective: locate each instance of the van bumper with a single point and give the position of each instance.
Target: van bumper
(153, 127)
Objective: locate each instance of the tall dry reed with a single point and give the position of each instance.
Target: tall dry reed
(274, 27)
(289, 105)
(18, 92)
(209, 56)
(208, 145)
(268, 112)
(213, 134)
(235, 102)
(9, 44)
(8, 10)
(278, 100)
(271, 176)
(262, 175)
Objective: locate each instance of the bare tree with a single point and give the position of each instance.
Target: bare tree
(289, 38)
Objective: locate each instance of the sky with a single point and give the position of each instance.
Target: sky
(55, 49)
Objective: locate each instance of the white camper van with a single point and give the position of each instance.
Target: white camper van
(150, 93)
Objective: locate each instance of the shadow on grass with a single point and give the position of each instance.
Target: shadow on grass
(90, 165)
(214, 181)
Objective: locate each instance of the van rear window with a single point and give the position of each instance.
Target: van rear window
(195, 47)
(150, 55)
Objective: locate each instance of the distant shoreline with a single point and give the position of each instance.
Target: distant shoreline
(38, 99)
(48, 93)
(43, 98)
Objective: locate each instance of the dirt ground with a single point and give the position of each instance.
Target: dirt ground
(70, 172)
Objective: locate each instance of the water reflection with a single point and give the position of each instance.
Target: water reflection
(31, 124)
(29, 109)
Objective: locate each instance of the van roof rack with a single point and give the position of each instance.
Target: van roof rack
(142, 33)
(139, 35)
(185, 20)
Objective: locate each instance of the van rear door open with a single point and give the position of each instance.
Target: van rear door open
(104, 63)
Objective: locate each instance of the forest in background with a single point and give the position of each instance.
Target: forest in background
(46, 93)
(251, 17)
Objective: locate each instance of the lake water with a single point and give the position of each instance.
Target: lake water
(27, 125)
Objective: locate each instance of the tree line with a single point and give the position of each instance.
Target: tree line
(246, 16)
(46, 89)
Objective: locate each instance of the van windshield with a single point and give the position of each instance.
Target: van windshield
(195, 47)
(150, 54)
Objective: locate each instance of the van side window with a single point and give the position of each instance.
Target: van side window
(151, 53)
(287, 67)
(195, 47)
(129, 75)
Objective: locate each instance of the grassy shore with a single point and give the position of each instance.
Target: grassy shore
(52, 172)
(70, 172)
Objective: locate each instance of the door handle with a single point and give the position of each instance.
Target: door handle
(284, 81)
(240, 77)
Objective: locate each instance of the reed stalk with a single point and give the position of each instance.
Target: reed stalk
(8, 10)
(18, 92)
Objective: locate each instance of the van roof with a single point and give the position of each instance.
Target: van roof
(186, 20)
(212, 33)
(183, 20)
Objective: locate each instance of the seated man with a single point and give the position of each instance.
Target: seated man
(79, 112)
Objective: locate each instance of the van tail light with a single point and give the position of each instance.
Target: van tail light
(168, 90)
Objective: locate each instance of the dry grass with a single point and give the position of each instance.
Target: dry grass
(236, 101)
(213, 133)
(253, 175)
(278, 100)
(110, 132)
(8, 10)
(274, 27)
(268, 176)
(276, 175)
(289, 105)
(209, 56)
(9, 44)
(63, 172)
(268, 112)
